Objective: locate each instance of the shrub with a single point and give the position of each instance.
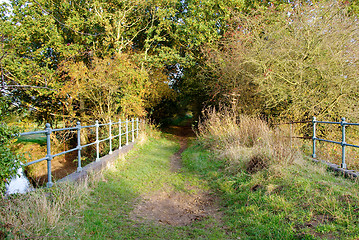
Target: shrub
(280, 63)
(8, 163)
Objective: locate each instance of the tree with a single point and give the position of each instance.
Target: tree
(109, 87)
(41, 36)
(290, 64)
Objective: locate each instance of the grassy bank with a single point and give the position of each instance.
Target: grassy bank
(102, 207)
(268, 189)
(305, 202)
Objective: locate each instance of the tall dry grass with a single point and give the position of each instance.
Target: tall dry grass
(44, 213)
(147, 129)
(247, 142)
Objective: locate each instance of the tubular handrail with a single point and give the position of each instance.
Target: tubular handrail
(63, 129)
(32, 133)
(343, 124)
(64, 152)
(90, 126)
(326, 122)
(294, 122)
(48, 130)
(314, 138)
(329, 141)
(36, 161)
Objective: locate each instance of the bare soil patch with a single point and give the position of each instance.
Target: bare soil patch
(177, 208)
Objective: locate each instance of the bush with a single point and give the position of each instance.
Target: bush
(281, 63)
(8, 165)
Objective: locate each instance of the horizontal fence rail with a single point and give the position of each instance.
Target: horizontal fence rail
(343, 123)
(343, 143)
(131, 127)
(291, 123)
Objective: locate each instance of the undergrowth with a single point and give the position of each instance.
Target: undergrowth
(304, 202)
(246, 142)
(268, 190)
(42, 211)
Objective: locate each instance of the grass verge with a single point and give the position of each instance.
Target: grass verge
(269, 190)
(42, 213)
(145, 170)
(101, 208)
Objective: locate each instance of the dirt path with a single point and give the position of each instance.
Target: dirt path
(177, 208)
(182, 134)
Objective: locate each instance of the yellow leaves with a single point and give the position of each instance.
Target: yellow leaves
(114, 85)
(158, 88)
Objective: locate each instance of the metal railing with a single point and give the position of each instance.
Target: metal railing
(343, 124)
(291, 123)
(314, 137)
(48, 130)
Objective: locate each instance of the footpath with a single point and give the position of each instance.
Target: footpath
(149, 195)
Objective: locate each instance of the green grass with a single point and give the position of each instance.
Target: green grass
(144, 170)
(303, 202)
(36, 138)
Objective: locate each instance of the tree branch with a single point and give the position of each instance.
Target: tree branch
(26, 86)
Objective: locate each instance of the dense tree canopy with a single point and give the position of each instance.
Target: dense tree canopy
(292, 64)
(101, 59)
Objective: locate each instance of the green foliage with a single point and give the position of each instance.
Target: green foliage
(9, 162)
(290, 64)
(109, 87)
(207, 51)
(39, 37)
(161, 37)
(305, 202)
(3, 107)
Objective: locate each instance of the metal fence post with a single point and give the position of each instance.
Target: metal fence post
(48, 155)
(110, 136)
(79, 168)
(97, 143)
(343, 165)
(133, 129)
(314, 137)
(290, 137)
(126, 131)
(120, 133)
(137, 128)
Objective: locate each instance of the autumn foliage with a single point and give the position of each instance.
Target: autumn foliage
(291, 64)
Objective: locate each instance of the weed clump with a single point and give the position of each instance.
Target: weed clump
(246, 142)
